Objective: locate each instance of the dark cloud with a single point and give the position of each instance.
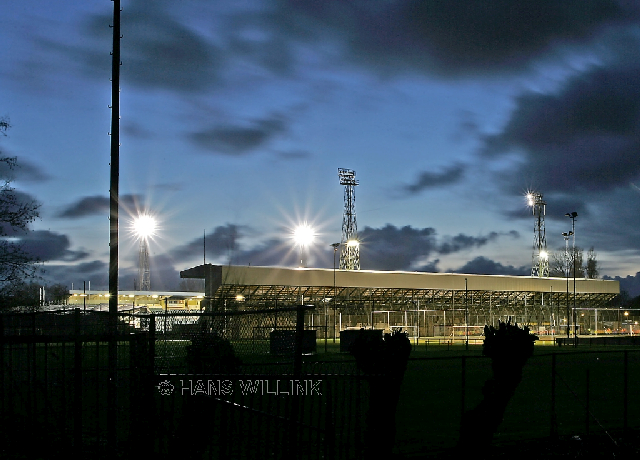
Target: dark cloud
(431, 267)
(164, 277)
(461, 242)
(95, 273)
(425, 180)
(266, 38)
(222, 241)
(98, 204)
(483, 266)
(585, 138)
(239, 140)
(22, 171)
(133, 129)
(455, 38)
(87, 206)
(579, 147)
(630, 284)
(158, 51)
(47, 246)
(395, 248)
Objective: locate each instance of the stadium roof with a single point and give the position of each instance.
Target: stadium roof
(313, 285)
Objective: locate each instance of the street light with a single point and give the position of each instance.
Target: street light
(572, 216)
(566, 270)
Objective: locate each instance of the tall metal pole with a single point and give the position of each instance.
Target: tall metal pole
(113, 228)
(466, 316)
(115, 163)
(335, 249)
(566, 236)
(572, 216)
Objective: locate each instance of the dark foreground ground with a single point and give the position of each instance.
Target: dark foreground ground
(600, 446)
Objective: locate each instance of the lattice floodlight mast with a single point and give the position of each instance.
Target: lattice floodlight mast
(144, 226)
(350, 254)
(540, 256)
(144, 273)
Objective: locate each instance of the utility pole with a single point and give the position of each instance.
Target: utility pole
(113, 231)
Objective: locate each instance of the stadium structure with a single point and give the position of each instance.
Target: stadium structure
(422, 304)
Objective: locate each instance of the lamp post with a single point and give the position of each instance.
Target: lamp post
(572, 216)
(566, 271)
(466, 316)
(626, 317)
(335, 247)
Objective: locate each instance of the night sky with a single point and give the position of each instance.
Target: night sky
(235, 117)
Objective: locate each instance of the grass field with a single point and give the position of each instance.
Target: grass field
(589, 395)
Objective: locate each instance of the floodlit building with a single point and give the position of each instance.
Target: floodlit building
(139, 301)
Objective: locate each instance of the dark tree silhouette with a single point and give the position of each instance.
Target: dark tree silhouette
(509, 348)
(384, 361)
(17, 211)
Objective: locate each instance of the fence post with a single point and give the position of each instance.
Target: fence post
(295, 399)
(554, 423)
(152, 342)
(587, 405)
(625, 391)
(329, 427)
(297, 360)
(463, 389)
(77, 383)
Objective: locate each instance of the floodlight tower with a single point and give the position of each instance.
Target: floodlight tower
(350, 254)
(144, 227)
(540, 256)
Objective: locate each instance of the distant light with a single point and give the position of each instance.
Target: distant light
(240, 298)
(144, 226)
(353, 243)
(544, 255)
(304, 235)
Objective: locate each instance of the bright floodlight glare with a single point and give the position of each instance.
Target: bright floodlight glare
(353, 243)
(530, 199)
(144, 226)
(544, 255)
(303, 235)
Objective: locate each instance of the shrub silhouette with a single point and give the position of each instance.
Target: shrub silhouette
(207, 356)
(509, 348)
(384, 362)
(211, 354)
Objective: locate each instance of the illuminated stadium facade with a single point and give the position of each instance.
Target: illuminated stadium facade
(423, 304)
